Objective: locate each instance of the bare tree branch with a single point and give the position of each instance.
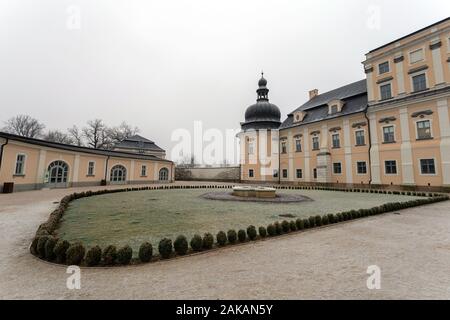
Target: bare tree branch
(24, 125)
(76, 135)
(58, 136)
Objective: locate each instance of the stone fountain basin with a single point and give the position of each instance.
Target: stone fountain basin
(254, 192)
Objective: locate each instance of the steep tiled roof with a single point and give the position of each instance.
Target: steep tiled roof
(138, 142)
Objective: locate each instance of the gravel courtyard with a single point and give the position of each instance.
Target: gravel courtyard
(412, 249)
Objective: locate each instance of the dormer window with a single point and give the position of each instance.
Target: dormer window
(335, 106)
(299, 116)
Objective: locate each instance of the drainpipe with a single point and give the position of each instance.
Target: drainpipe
(1, 151)
(106, 168)
(279, 159)
(370, 147)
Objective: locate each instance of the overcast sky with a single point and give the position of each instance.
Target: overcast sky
(161, 65)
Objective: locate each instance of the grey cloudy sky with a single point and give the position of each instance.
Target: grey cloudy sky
(161, 65)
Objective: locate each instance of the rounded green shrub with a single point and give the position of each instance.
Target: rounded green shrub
(242, 235)
(286, 226)
(40, 247)
(325, 220)
(331, 218)
(293, 226)
(306, 223)
(232, 236)
(60, 250)
(124, 255)
(75, 254)
(278, 228)
(312, 222)
(165, 248)
(299, 224)
(49, 247)
(221, 238)
(318, 220)
(271, 230)
(208, 241)
(251, 232)
(109, 255)
(145, 252)
(93, 256)
(196, 243)
(181, 245)
(262, 232)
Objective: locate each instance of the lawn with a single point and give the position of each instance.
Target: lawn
(134, 217)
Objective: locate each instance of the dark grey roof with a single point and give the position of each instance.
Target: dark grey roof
(68, 147)
(352, 89)
(138, 142)
(353, 95)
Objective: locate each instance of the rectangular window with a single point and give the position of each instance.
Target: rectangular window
(315, 143)
(143, 171)
(334, 109)
(383, 67)
(360, 139)
(336, 142)
(299, 173)
(250, 148)
(315, 173)
(427, 166)
(298, 145)
(385, 91)
(361, 167)
(390, 167)
(275, 173)
(91, 167)
(285, 173)
(20, 164)
(251, 173)
(283, 147)
(419, 82)
(337, 168)
(388, 134)
(416, 56)
(423, 129)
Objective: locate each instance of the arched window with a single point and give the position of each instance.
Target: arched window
(118, 174)
(57, 174)
(164, 174)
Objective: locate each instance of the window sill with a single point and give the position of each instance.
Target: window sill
(389, 142)
(421, 90)
(386, 99)
(90, 175)
(298, 151)
(144, 176)
(19, 175)
(316, 149)
(360, 145)
(420, 139)
(335, 147)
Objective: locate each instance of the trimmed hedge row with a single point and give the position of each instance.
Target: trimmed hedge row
(48, 247)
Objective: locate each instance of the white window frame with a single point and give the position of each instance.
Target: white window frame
(142, 167)
(23, 165)
(312, 143)
(424, 58)
(411, 82)
(395, 133)
(332, 142)
(282, 173)
(389, 67)
(385, 84)
(251, 148)
(428, 174)
(301, 145)
(253, 171)
(361, 174)
(417, 131)
(93, 169)
(334, 173)
(296, 176)
(364, 133)
(285, 143)
(396, 167)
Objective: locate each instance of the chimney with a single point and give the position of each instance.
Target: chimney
(313, 93)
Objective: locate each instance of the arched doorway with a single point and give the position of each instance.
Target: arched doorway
(163, 174)
(57, 174)
(118, 174)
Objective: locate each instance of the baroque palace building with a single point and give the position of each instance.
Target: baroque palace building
(392, 128)
(30, 164)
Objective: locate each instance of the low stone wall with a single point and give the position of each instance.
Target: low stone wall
(225, 174)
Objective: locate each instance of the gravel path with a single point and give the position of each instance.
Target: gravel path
(412, 249)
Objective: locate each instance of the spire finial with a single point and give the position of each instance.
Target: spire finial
(262, 73)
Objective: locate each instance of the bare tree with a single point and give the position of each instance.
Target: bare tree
(76, 135)
(58, 136)
(96, 134)
(121, 132)
(24, 125)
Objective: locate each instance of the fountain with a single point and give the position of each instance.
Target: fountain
(254, 192)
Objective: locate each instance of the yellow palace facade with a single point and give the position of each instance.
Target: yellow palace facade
(391, 128)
